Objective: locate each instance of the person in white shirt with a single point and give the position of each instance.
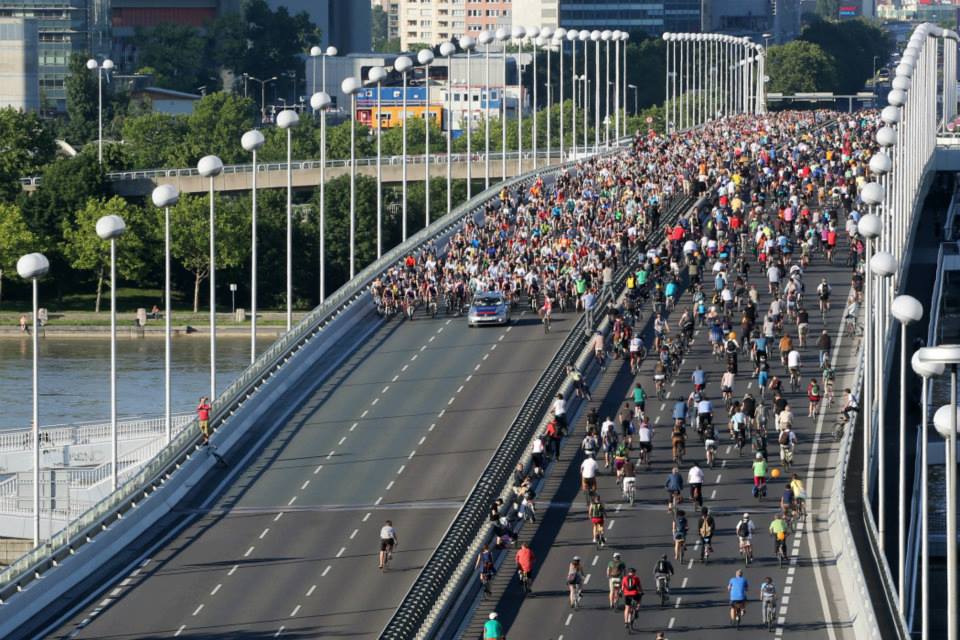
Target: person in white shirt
(793, 360)
(695, 480)
(560, 411)
(588, 474)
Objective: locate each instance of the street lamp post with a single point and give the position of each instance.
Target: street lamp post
(210, 167)
(425, 57)
(519, 33)
(502, 36)
(287, 120)
(263, 94)
(377, 75)
(315, 52)
(883, 266)
(100, 68)
(546, 41)
(633, 88)
(534, 34)
(320, 101)
(582, 87)
(447, 49)
(605, 36)
(110, 228)
(486, 38)
(350, 87)
(252, 141)
(905, 309)
(403, 64)
(165, 196)
(558, 37)
(468, 44)
(573, 36)
(34, 266)
(926, 371)
(595, 37)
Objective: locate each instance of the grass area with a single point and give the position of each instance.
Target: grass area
(77, 311)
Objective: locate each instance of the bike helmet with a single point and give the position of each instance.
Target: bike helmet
(746, 516)
(493, 615)
(616, 555)
(576, 558)
(759, 455)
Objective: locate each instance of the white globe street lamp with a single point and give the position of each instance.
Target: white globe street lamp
(425, 57)
(447, 49)
(518, 34)
(350, 86)
(110, 228)
(320, 101)
(882, 266)
(468, 44)
(502, 35)
(376, 75)
(486, 38)
(252, 141)
(100, 68)
(403, 64)
(287, 120)
(210, 167)
(164, 197)
(34, 266)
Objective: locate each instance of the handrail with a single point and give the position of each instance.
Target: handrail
(306, 165)
(155, 472)
(88, 432)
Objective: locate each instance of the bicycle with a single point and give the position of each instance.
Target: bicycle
(704, 551)
(781, 552)
(770, 613)
(738, 613)
(545, 318)
(663, 586)
(524, 582)
(578, 596)
(630, 492)
(644, 456)
(794, 380)
(746, 551)
(632, 612)
(661, 389)
(683, 550)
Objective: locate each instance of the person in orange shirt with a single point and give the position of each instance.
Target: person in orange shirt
(525, 561)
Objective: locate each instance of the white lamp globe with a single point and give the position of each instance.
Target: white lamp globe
(320, 100)
(92, 64)
(605, 34)
(941, 420)
(485, 37)
(110, 227)
(447, 49)
(376, 74)
(518, 32)
(425, 56)
(560, 33)
(925, 369)
(403, 64)
(210, 166)
(287, 119)
(533, 32)
(33, 266)
(572, 35)
(906, 309)
(886, 137)
(903, 83)
(897, 98)
(315, 51)
(502, 34)
(595, 35)
(468, 43)
(870, 226)
(872, 193)
(880, 163)
(166, 195)
(584, 35)
(547, 32)
(890, 114)
(351, 85)
(883, 264)
(107, 64)
(332, 50)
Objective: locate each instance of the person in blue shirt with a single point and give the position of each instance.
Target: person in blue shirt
(680, 412)
(699, 378)
(737, 588)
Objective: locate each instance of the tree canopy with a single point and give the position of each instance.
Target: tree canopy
(800, 66)
(853, 45)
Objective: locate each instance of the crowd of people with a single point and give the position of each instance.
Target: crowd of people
(781, 194)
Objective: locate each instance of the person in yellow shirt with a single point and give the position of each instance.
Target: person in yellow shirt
(799, 492)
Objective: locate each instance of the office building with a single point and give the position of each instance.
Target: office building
(780, 19)
(543, 13)
(653, 18)
(392, 9)
(344, 24)
(64, 27)
(433, 21)
(19, 80)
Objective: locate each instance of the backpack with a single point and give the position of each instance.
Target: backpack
(596, 510)
(784, 438)
(743, 529)
(706, 529)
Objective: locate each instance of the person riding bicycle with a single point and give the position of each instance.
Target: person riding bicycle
(704, 414)
(705, 527)
(678, 441)
(768, 594)
(787, 499)
(759, 476)
(699, 378)
(679, 529)
(737, 588)
(679, 413)
(787, 440)
(744, 531)
(779, 531)
(695, 480)
(799, 492)
(823, 292)
(674, 487)
(525, 561)
(492, 629)
(632, 594)
(546, 310)
(597, 514)
(814, 396)
(645, 438)
(388, 540)
(663, 571)
(793, 365)
(574, 580)
(615, 574)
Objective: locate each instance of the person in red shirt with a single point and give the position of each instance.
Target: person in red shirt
(632, 593)
(203, 416)
(525, 561)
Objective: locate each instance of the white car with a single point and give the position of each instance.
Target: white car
(489, 307)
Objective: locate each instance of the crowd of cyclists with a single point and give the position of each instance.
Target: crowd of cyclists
(781, 196)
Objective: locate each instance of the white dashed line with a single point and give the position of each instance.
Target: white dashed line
(116, 592)
(485, 356)
(341, 552)
(354, 534)
(311, 590)
(233, 569)
(670, 624)
(279, 631)
(379, 500)
(306, 483)
(569, 618)
(249, 551)
(317, 470)
(412, 453)
(460, 388)
(492, 347)
(469, 378)
(719, 475)
(450, 401)
(330, 455)
(442, 411)
(325, 572)
(353, 426)
(395, 378)
(683, 585)
(432, 338)
(713, 494)
(384, 390)
(610, 526)
(292, 500)
(413, 357)
(295, 611)
(375, 401)
(587, 579)
(594, 563)
(432, 427)
(366, 517)
(278, 516)
(263, 534)
(180, 630)
(389, 485)
(422, 439)
(364, 414)
(342, 440)
(215, 589)
(198, 610)
(476, 367)
(404, 367)
(663, 405)
(403, 466)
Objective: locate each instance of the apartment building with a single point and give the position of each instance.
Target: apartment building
(433, 21)
(392, 9)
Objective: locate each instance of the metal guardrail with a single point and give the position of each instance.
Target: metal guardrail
(88, 432)
(306, 165)
(436, 574)
(154, 473)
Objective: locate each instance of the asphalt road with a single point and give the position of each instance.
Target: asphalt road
(400, 432)
(698, 604)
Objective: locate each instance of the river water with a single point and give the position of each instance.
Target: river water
(75, 376)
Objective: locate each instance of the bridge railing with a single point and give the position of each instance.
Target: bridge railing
(15, 440)
(306, 165)
(155, 472)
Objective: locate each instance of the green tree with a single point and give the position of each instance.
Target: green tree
(215, 127)
(276, 40)
(85, 251)
(176, 53)
(853, 44)
(81, 89)
(828, 9)
(378, 27)
(800, 66)
(338, 141)
(190, 237)
(66, 186)
(26, 144)
(16, 239)
(153, 140)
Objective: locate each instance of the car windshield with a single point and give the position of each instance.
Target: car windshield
(487, 301)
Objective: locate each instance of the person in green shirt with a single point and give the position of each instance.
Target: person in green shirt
(642, 277)
(640, 397)
(778, 529)
(492, 629)
(759, 476)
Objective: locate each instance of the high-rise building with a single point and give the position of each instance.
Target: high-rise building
(343, 23)
(392, 9)
(542, 13)
(19, 82)
(779, 19)
(64, 27)
(651, 17)
(433, 21)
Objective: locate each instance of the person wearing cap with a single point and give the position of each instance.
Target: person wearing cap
(615, 571)
(632, 593)
(492, 629)
(575, 580)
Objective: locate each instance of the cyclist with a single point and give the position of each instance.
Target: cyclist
(699, 379)
(588, 474)
(620, 460)
(636, 346)
(546, 312)
(778, 529)
(485, 565)
(793, 365)
(645, 440)
(574, 580)
(768, 595)
(629, 480)
(799, 492)
(679, 442)
(824, 344)
(632, 594)
(492, 629)
(615, 570)
(695, 480)
(639, 399)
(388, 540)
(787, 500)
(597, 514)
(745, 530)
(823, 292)
(787, 441)
(759, 476)
(814, 397)
(674, 487)
(679, 413)
(679, 529)
(704, 414)
(737, 588)
(590, 444)
(710, 445)
(705, 528)
(662, 571)
(525, 561)
(829, 377)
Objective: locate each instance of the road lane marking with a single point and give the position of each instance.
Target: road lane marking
(448, 321)
(330, 455)
(311, 590)
(676, 605)
(325, 571)
(317, 470)
(587, 579)
(342, 440)
(413, 357)
(683, 585)
(364, 414)
(375, 401)
(670, 624)
(292, 500)
(690, 564)
(180, 630)
(594, 563)
(354, 534)
(278, 516)
(395, 378)
(610, 526)
(412, 453)
(389, 485)
(719, 475)
(404, 367)
(450, 401)
(198, 609)
(353, 426)
(432, 338)
(306, 483)
(493, 346)
(476, 367)
(442, 411)
(569, 618)
(422, 439)
(116, 592)
(663, 405)
(233, 570)
(249, 551)
(485, 356)
(379, 500)
(384, 390)
(295, 611)
(424, 347)
(263, 534)
(713, 494)
(460, 388)
(215, 589)
(403, 466)
(279, 631)
(366, 517)
(341, 552)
